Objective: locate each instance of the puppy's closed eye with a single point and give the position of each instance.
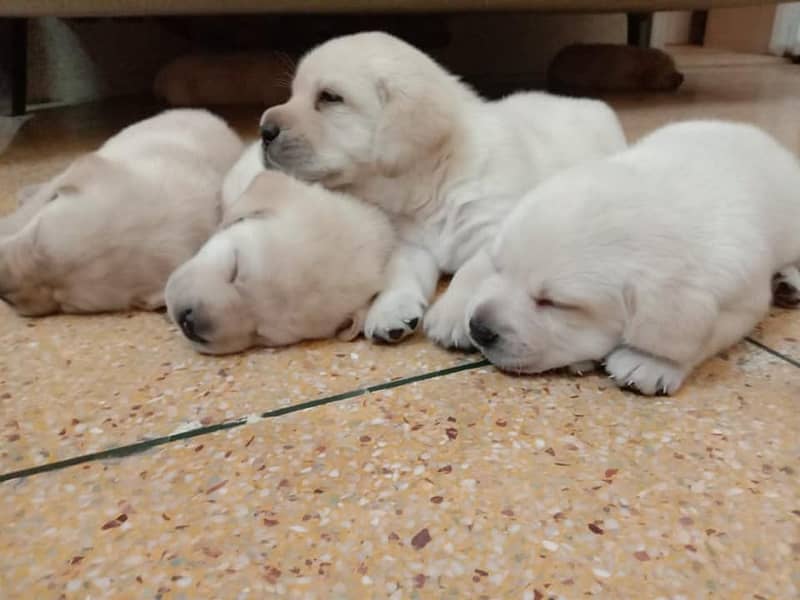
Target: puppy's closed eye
(256, 214)
(235, 271)
(546, 302)
(327, 97)
(63, 190)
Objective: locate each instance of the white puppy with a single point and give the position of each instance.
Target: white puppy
(106, 233)
(373, 116)
(292, 261)
(652, 260)
(241, 175)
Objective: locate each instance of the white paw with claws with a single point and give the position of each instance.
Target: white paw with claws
(446, 324)
(650, 375)
(394, 316)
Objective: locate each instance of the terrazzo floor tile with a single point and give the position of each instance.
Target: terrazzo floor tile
(765, 94)
(476, 485)
(74, 385)
(781, 332)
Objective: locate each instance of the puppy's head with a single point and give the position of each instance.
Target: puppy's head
(291, 262)
(361, 104)
(45, 240)
(548, 302)
(658, 71)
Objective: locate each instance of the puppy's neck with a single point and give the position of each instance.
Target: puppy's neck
(418, 191)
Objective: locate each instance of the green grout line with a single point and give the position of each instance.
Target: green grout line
(128, 450)
(780, 355)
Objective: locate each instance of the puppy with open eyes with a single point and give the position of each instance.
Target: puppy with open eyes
(105, 234)
(291, 261)
(651, 261)
(377, 118)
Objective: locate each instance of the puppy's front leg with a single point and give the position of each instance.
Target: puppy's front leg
(411, 279)
(446, 321)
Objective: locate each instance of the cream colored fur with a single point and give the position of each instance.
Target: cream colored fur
(377, 118)
(652, 261)
(105, 234)
(292, 261)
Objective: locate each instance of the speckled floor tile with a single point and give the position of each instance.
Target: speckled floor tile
(74, 385)
(781, 332)
(477, 485)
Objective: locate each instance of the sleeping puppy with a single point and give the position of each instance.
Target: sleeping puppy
(373, 116)
(586, 69)
(105, 234)
(652, 261)
(291, 261)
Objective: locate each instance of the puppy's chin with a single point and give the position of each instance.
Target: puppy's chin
(518, 359)
(305, 171)
(220, 348)
(512, 364)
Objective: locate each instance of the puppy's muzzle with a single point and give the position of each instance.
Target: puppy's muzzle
(188, 324)
(481, 333)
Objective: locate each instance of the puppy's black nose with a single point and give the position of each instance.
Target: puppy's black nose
(186, 321)
(269, 131)
(481, 334)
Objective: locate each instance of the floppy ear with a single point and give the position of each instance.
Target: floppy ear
(27, 192)
(416, 120)
(245, 207)
(85, 168)
(7, 279)
(352, 326)
(263, 197)
(20, 261)
(676, 329)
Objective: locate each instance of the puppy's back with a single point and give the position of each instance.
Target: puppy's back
(185, 134)
(733, 170)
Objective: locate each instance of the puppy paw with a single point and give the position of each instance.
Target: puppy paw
(786, 288)
(445, 324)
(650, 375)
(394, 316)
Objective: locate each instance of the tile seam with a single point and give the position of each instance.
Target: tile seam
(776, 353)
(144, 445)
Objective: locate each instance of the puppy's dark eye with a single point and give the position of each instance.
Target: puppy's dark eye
(544, 302)
(328, 97)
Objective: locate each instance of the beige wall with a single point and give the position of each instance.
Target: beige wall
(747, 29)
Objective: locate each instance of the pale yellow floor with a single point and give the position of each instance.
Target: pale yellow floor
(466, 485)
